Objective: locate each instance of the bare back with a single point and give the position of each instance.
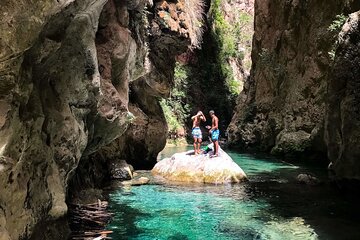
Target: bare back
(197, 121)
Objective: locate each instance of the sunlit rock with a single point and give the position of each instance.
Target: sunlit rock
(136, 182)
(187, 167)
(80, 83)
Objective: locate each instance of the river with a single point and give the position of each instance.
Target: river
(272, 205)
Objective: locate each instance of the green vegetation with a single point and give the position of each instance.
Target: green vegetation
(173, 123)
(337, 24)
(206, 79)
(335, 27)
(195, 8)
(233, 40)
(268, 59)
(175, 108)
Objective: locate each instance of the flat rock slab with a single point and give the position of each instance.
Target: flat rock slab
(187, 167)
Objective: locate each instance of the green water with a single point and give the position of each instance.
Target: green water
(270, 206)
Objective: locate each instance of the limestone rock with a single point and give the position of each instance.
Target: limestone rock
(136, 182)
(186, 167)
(307, 179)
(50, 88)
(292, 143)
(282, 107)
(342, 126)
(70, 73)
(146, 134)
(120, 170)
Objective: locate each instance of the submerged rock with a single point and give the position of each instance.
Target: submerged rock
(187, 167)
(307, 179)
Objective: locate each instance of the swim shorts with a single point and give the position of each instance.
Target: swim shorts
(215, 135)
(196, 132)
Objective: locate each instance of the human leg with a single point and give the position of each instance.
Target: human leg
(215, 139)
(195, 145)
(199, 145)
(196, 132)
(216, 146)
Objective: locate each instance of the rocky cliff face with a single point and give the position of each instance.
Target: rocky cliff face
(342, 120)
(211, 76)
(282, 108)
(73, 75)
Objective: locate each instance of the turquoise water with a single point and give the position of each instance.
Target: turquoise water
(269, 206)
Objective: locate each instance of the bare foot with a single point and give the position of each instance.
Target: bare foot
(215, 155)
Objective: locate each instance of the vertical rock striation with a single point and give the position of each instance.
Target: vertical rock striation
(282, 107)
(73, 74)
(342, 121)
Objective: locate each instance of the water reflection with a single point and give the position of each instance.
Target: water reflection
(270, 206)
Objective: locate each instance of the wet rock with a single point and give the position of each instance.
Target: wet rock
(187, 167)
(120, 170)
(307, 179)
(291, 143)
(88, 196)
(136, 182)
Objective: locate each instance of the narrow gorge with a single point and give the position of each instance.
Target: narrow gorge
(89, 84)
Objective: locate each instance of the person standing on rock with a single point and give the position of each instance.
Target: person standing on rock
(214, 132)
(196, 131)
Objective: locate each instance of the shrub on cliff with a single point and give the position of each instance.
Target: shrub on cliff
(175, 108)
(233, 38)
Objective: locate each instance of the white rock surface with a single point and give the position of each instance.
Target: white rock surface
(187, 167)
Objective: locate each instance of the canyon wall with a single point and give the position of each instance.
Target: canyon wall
(79, 77)
(301, 77)
(342, 120)
(211, 76)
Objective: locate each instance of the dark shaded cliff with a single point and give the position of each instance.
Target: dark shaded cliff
(211, 76)
(342, 120)
(301, 71)
(76, 76)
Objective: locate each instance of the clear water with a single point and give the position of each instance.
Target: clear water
(271, 206)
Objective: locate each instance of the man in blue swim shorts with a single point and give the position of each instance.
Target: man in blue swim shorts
(214, 132)
(196, 131)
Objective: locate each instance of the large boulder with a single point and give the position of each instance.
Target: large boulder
(187, 167)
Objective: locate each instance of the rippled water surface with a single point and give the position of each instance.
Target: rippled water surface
(270, 206)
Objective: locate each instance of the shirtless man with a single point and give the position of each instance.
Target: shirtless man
(214, 132)
(196, 131)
